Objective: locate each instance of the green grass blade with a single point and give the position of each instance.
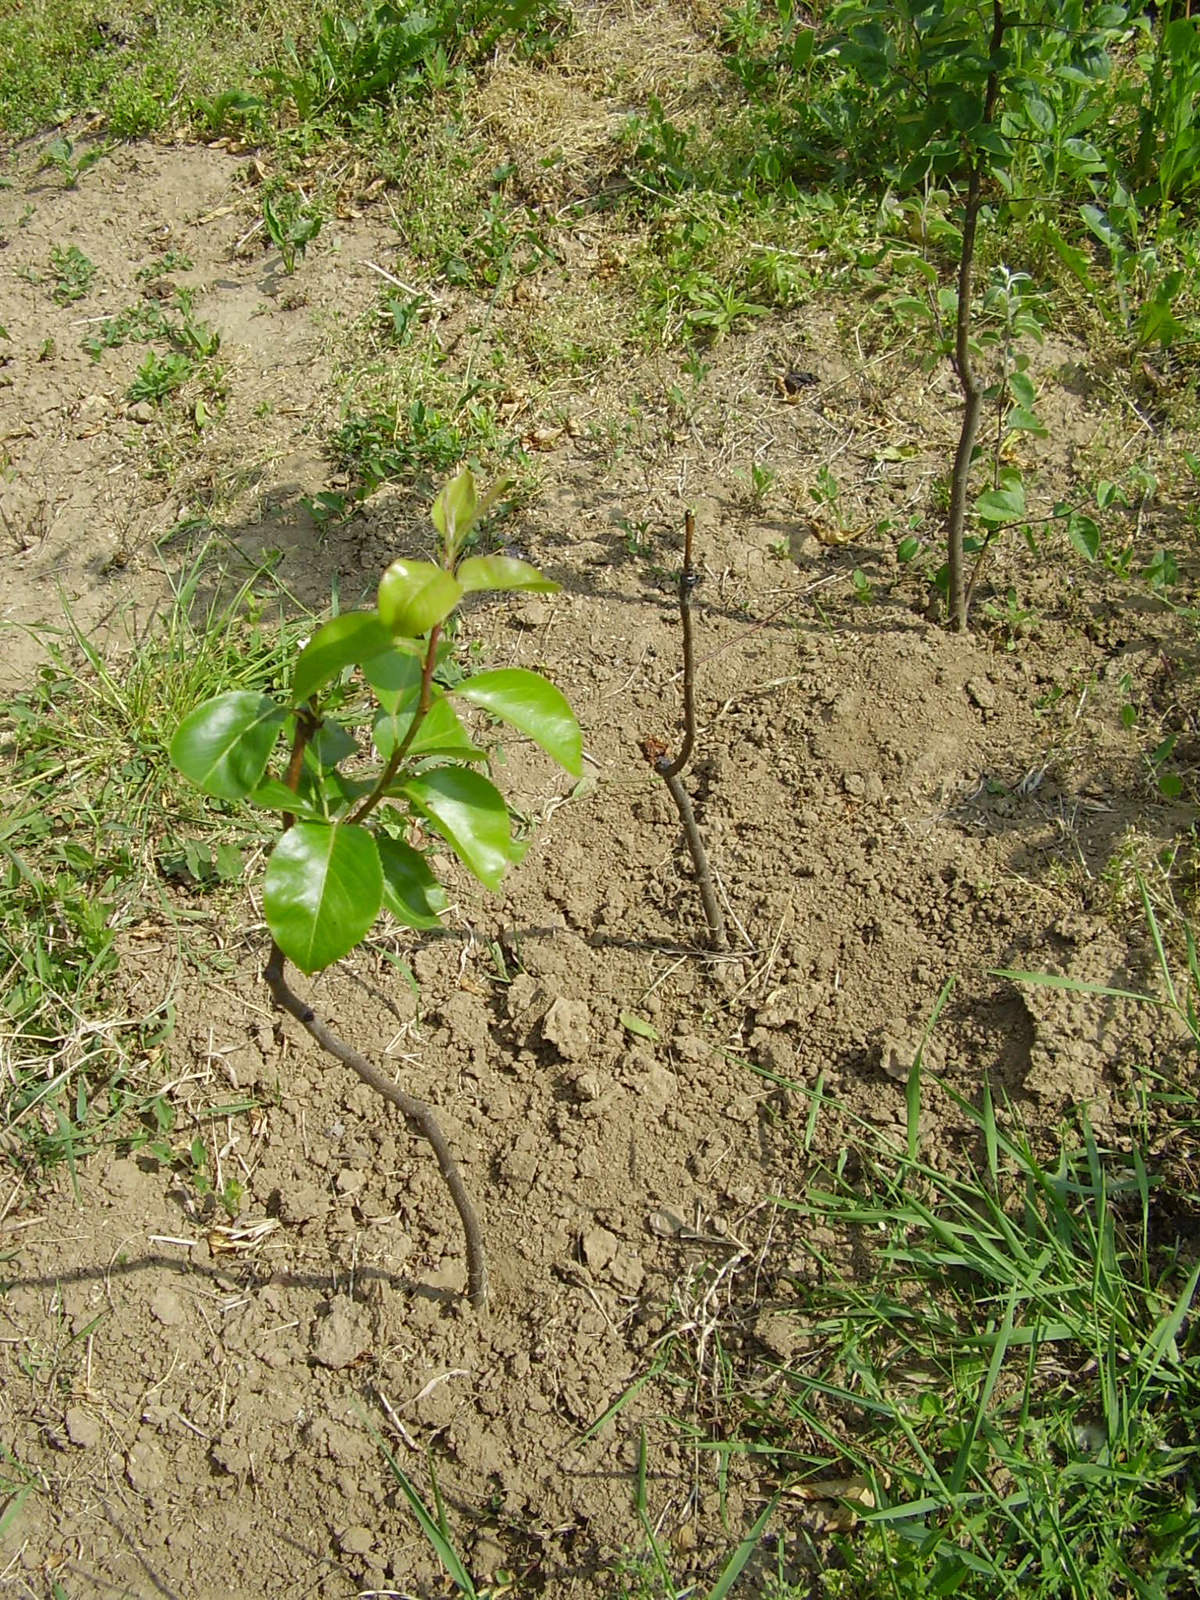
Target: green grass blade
(1162, 1337)
(622, 1400)
(644, 1518)
(958, 1472)
(434, 1535)
(1152, 921)
(744, 1551)
(1051, 980)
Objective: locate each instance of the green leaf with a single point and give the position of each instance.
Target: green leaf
(416, 595)
(1084, 535)
(1022, 421)
(1001, 505)
(454, 510)
(343, 641)
(502, 572)
(632, 1023)
(440, 734)
(1098, 222)
(459, 508)
(410, 891)
(323, 890)
(223, 745)
(907, 305)
(1072, 257)
(907, 549)
(275, 796)
(470, 814)
(802, 48)
(532, 705)
(331, 744)
(395, 676)
(1020, 386)
(1038, 112)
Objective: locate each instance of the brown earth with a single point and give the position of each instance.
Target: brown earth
(887, 806)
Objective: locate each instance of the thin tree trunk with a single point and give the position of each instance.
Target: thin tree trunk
(972, 389)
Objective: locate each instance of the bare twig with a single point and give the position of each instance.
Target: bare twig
(413, 1110)
(671, 772)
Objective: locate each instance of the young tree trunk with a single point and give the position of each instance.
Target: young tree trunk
(972, 390)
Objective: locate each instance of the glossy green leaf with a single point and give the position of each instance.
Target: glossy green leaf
(470, 814)
(502, 572)
(415, 595)
(223, 745)
(323, 890)
(273, 795)
(410, 891)
(532, 705)
(459, 507)
(341, 642)
(330, 744)
(440, 734)
(395, 676)
(453, 512)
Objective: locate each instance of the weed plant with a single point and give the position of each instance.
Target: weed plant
(95, 822)
(299, 62)
(1006, 1399)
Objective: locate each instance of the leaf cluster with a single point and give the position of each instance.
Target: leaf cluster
(347, 848)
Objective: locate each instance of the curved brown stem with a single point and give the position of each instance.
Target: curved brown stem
(415, 1111)
(687, 582)
(712, 910)
(671, 771)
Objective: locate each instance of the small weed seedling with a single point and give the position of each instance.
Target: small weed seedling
(292, 229)
(73, 273)
(159, 375)
(60, 154)
(230, 105)
(757, 483)
(171, 260)
(715, 309)
(344, 852)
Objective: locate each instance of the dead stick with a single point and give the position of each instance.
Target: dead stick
(712, 910)
(413, 1110)
(671, 772)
